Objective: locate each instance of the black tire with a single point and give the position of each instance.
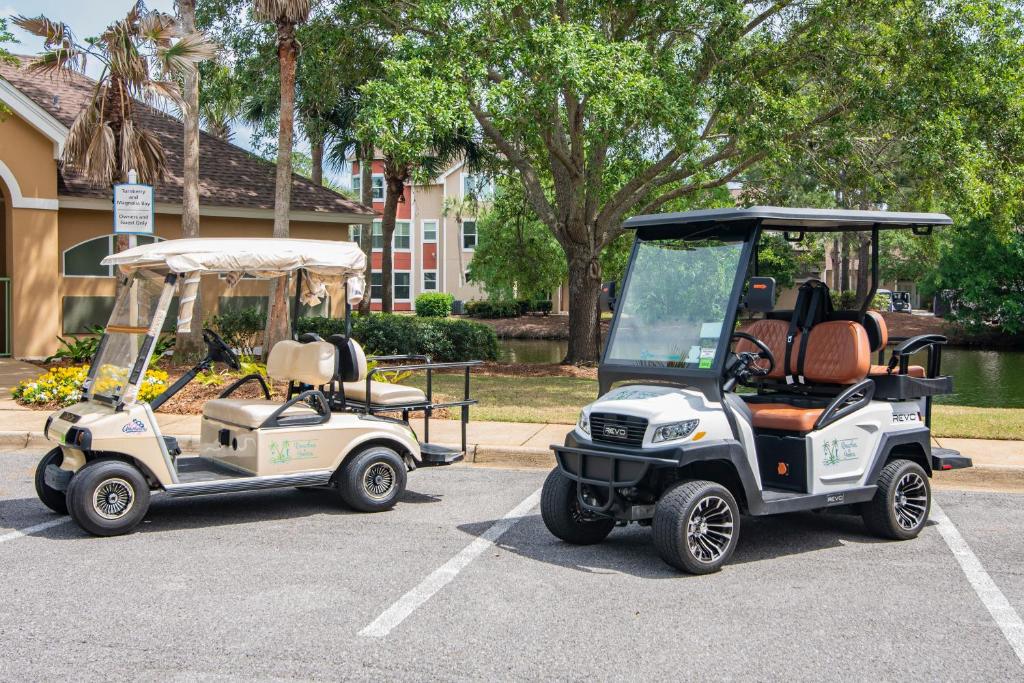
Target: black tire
(562, 515)
(51, 497)
(708, 546)
(900, 507)
(125, 504)
(372, 480)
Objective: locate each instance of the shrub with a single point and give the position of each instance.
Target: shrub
(493, 309)
(523, 305)
(443, 339)
(242, 329)
(78, 350)
(63, 386)
(434, 305)
(847, 300)
(542, 306)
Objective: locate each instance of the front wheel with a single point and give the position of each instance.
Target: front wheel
(696, 526)
(563, 516)
(108, 497)
(902, 502)
(51, 497)
(373, 480)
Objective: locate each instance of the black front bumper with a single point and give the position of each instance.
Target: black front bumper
(607, 468)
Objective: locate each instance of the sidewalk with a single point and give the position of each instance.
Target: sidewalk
(997, 464)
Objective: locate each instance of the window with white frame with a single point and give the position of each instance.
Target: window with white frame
(377, 236)
(378, 188)
(468, 235)
(403, 287)
(355, 233)
(430, 281)
(83, 259)
(357, 183)
(402, 237)
(429, 230)
(376, 286)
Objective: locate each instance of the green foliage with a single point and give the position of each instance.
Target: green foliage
(493, 309)
(78, 349)
(515, 252)
(847, 301)
(442, 339)
(983, 263)
(241, 329)
(434, 305)
(163, 344)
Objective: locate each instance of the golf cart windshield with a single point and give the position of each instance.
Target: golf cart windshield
(675, 303)
(125, 345)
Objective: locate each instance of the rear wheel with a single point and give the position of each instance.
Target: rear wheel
(696, 526)
(108, 497)
(902, 502)
(373, 480)
(563, 515)
(51, 497)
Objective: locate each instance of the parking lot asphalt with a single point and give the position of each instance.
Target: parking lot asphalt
(289, 584)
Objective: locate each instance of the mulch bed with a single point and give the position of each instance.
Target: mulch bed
(534, 326)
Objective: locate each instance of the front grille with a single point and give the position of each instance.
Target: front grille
(624, 430)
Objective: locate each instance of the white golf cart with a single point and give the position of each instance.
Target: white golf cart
(671, 444)
(323, 433)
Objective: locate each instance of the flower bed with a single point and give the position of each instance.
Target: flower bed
(62, 386)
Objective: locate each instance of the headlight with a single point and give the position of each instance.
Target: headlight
(675, 430)
(584, 423)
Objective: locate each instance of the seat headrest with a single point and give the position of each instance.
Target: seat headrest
(313, 363)
(878, 331)
(351, 358)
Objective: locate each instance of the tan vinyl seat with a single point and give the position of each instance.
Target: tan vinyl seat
(838, 352)
(381, 393)
(313, 363)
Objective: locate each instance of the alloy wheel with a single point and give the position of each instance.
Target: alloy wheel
(113, 498)
(910, 501)
(378, 480)
(709, 529)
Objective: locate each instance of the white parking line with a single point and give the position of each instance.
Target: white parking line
(18, 533)
(995, 602)
(443, 575)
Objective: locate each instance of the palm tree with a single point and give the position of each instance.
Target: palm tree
(285, 14)
(142, 56)
(458, 208)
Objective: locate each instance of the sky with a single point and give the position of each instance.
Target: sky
(90, 17)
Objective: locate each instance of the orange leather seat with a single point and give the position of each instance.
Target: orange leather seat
(784, 416)
(913, 370)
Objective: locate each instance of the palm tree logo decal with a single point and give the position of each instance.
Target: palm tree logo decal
(839, 450)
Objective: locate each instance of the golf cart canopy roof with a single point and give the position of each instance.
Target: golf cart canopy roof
(782, 218)
(261, 257)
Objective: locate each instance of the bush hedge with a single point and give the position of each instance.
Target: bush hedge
(506, 309)
(434, 305)
(442, 339)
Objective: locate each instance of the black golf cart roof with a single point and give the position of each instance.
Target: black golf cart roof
(782, 218)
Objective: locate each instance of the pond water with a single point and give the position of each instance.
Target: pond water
(991, 379)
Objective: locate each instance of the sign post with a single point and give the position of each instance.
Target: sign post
(133, 207)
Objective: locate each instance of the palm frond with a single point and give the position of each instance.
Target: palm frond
(183, 56)
(100, 160)
(291, 11)
(81, 133)
(156, 93)
(52, 32)
(151, 162)
(158, 28)
(57, 60)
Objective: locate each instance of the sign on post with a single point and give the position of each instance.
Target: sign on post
(133, 208)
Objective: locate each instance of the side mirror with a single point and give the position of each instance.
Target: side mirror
(760, 294)
(608, 297)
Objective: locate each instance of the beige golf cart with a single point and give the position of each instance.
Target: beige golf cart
(327, 431)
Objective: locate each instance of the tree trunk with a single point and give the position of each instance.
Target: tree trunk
(584, 293)
(287, 52)
(844, 263)
(395, 187)
(189, 345)
(366, 240)
(863, 266)
(317, 154)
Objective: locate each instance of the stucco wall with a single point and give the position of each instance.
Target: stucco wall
(29, 156)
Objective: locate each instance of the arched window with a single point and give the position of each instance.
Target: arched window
(83, 259)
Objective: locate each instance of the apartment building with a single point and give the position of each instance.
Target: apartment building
(432, 250)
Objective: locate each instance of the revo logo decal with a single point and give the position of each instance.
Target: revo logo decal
(611, 430)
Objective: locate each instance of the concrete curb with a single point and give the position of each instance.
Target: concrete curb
(998, 477)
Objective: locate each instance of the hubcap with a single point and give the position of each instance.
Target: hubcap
(113, 499)
(910, 502)
(378, 480)
(709, 529)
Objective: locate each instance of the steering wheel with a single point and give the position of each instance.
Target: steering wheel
(747, 364)
(218, 350)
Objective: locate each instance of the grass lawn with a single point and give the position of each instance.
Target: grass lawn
(559, 399)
